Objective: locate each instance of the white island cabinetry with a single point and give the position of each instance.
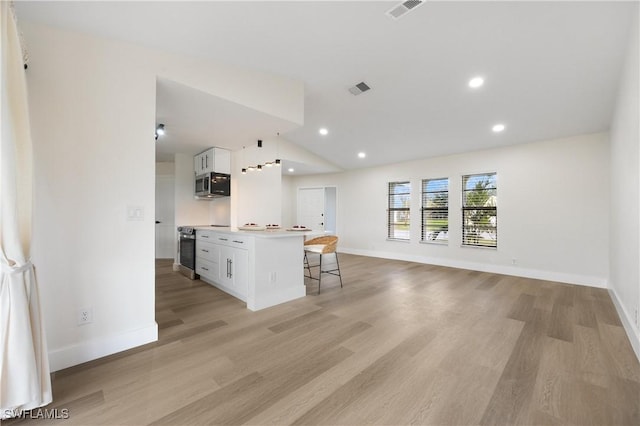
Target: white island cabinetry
(261, 268)
(207, 259)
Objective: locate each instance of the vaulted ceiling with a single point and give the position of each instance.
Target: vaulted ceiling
(550, 69)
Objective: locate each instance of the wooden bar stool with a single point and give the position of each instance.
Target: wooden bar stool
(322, 245)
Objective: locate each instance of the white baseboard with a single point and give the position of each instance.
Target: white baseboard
(585, 280)
(97, 348)
(627, 322)
(176, 267)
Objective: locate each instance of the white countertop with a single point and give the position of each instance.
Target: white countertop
(267, 233)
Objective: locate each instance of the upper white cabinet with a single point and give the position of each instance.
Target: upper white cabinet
(221, 161)
(212, 160)
(203, 162)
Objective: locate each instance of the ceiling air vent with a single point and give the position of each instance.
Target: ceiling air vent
(403, 8)
(359, 88)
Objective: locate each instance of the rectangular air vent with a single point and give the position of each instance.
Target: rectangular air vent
(403, 8)
(359, 88)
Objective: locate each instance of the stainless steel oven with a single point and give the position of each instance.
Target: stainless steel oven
(188, 251)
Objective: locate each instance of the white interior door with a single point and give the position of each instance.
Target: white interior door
(311, 208)
(165, 214)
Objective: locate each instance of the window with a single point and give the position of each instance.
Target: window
(435, 210)
(479, 211)
(398, 212)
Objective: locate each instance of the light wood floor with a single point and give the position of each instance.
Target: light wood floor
(401, 343)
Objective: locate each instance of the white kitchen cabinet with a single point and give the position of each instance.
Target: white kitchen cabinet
(234, 270)
(207, 259)
(212, 160)
(221, 161)
(204, 162)
(207, 269)
(223, 260)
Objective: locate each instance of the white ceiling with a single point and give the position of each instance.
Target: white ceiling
(551, 68)
(195, 120)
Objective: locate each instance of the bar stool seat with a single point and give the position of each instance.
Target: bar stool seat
(322, 246)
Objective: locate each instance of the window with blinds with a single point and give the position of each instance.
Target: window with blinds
(435, 210)
(398, 213)
(479, 210)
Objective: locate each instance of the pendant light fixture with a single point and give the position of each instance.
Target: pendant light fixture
(244, 169)
(260, 167)
(259, 146)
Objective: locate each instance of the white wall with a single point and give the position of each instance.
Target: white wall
(256, 197)
(220, 211)
(550, 195)
(288, 201)
(94, 157)
(92, 104)
(165, 168)
(625, 195)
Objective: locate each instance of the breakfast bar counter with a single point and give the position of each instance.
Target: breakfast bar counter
(261, 267)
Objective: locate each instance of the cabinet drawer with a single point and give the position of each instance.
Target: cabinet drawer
(207, 269)
(207, 251)
(205, 235)
(232, 240)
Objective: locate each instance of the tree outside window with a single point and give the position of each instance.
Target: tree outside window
(479, 210)
(398, 212)
(435, 210)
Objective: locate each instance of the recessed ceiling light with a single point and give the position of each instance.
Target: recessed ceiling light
(361, 155)
(476, 82)
(291, 170)
(323, 131)
(498, 128)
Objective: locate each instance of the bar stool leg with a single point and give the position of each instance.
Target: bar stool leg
(339, 273)
(320, 274)
(306, 264)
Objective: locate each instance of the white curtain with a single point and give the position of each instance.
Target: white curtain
(24, 367)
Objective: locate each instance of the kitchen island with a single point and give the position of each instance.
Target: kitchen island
(261, 268)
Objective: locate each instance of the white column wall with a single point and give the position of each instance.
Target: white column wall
(92, 104)
(625, 195)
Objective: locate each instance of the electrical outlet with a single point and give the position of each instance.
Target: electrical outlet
(85, 316)
(272, 277)
(514, 261)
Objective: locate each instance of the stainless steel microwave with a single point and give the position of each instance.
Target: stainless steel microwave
(211, 185)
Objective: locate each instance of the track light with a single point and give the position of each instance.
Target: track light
(159, 130)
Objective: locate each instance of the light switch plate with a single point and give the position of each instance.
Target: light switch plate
(135, 212)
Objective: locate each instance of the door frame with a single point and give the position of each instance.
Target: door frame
(323, 187)
(174, 249)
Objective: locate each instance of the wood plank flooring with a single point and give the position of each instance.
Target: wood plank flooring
(401, 343)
